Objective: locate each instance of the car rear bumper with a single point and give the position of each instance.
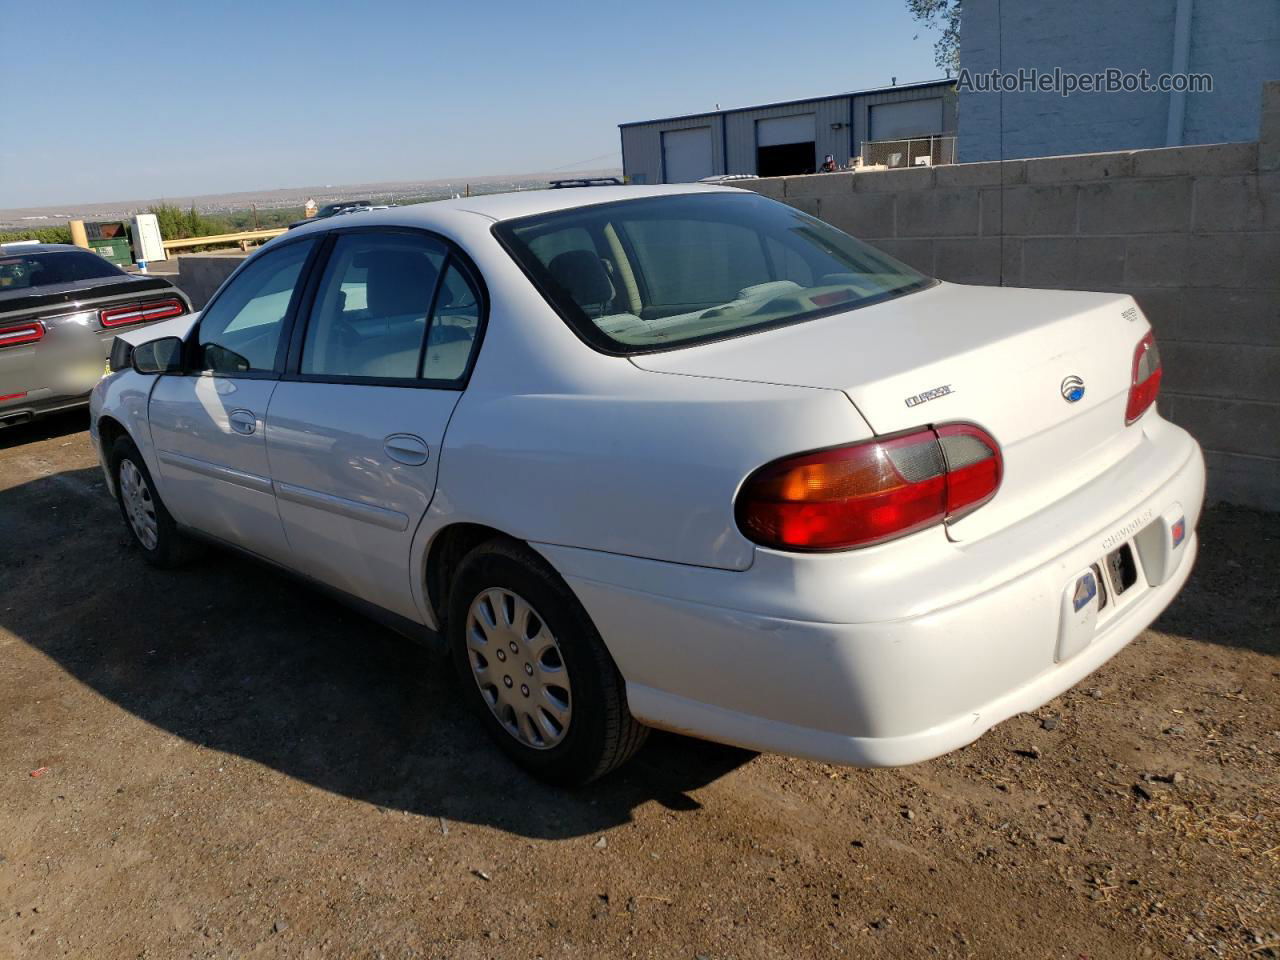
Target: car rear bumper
(717, 654)
(18, 410)
(57, 372)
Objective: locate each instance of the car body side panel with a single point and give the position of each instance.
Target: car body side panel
(552, 441)
(123, 396)
(210, 444)
(349, 506)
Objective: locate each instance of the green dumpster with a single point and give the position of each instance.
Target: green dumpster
(110, 239)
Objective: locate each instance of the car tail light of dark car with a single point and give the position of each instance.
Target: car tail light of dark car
(129, 313)
(1147, 372)
(21, 333)
(867, 493)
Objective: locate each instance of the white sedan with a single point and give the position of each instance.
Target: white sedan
(677, 457)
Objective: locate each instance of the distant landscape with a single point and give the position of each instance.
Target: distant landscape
(236, 211)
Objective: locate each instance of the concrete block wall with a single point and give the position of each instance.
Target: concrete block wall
(1193, 233)
(200, 274)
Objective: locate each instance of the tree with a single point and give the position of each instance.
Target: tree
(941, 15)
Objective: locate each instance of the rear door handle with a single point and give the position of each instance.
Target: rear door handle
(243, 421)
(407, 449)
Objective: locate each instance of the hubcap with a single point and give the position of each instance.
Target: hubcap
(519, 669)
(139, 506)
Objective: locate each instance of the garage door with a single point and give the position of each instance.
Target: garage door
(914, 118)
(686, 155)
(780, 130)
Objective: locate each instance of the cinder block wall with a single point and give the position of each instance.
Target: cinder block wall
(1192, 232)
(200, 274)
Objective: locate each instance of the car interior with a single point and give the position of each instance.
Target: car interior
(644, 278)
(373, 305)
(368, 318)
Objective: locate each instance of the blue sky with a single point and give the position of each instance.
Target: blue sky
(121, 100)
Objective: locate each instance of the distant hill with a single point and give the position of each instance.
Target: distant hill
(402, 191)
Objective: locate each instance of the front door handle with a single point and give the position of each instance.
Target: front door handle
(407, 449)
(243, 421)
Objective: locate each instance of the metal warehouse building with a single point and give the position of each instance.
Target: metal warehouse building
(780, 139)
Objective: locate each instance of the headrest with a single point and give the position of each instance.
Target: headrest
(400, 282)
(583, 277)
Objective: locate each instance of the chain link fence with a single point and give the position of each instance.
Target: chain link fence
(915, 152)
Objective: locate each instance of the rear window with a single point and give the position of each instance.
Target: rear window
(22, 271)
(657, 272)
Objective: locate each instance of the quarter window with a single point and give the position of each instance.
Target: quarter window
(240, 331)
(453, 328)
(371, 309)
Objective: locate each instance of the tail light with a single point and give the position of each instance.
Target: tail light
(129, 313)
(22, 333)
(1145, 384)
(870, 492)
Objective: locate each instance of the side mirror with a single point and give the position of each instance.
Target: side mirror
(158, 356)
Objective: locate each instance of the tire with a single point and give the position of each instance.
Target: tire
(150, 525)
(576, 701)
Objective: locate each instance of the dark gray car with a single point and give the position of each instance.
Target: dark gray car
(60, 308)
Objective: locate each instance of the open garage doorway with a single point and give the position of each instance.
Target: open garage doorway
(786, 146)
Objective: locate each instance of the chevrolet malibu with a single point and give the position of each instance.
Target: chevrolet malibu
(676, 457)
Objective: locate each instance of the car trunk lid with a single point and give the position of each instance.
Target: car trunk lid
(1046, 373)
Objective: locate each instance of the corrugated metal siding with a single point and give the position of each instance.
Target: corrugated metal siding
(733, 133)
(642, 154)
(642, 145)
(741, 130)
(863, 103)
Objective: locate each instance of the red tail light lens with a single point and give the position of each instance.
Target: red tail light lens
(129, 313)
(1147, 371)
(22, 333)
(870, 492)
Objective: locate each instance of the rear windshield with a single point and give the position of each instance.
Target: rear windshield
(657, 272)
(21, 271)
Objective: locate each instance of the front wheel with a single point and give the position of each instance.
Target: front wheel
(154, 530)
(535, 669)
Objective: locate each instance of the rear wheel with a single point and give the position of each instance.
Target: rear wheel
(535, 669)
(154, 530)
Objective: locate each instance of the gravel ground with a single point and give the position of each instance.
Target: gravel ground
(222, 763)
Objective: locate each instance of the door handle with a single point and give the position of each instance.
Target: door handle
(243, 421)
(407, 449)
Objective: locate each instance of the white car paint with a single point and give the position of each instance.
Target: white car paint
(622, 473)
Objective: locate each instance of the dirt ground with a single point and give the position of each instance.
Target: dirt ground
(221, 763)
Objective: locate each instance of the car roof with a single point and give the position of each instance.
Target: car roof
(524, 203)
(446, 215)
(19, 247)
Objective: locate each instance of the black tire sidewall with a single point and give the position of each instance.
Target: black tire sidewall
(577, 758)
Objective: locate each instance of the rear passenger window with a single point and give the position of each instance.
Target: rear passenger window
(453, 328)
(370, 313)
